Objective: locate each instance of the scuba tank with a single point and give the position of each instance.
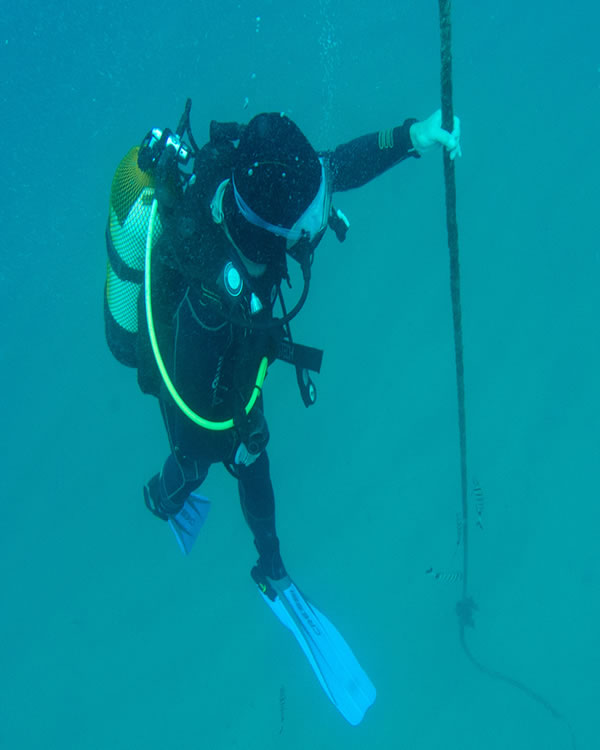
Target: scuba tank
(131, 196)
(147, 172)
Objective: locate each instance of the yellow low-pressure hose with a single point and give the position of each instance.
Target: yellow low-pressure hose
(189, 413)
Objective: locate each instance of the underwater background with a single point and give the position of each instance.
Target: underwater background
(109, 637)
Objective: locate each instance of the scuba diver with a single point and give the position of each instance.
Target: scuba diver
(199, 241)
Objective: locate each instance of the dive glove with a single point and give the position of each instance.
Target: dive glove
(428, 134)
(255, 436)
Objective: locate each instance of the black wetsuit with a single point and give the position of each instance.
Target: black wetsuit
(212, 361)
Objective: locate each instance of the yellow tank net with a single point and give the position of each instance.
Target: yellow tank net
(127, 184)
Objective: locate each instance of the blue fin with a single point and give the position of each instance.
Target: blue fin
(187, 523)
(342, 678)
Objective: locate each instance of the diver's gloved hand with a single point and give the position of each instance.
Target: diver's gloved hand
(255, 439)
(161, 507)
(429, 134)
(243, 457)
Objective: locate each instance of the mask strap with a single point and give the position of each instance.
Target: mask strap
(299, 229)
(216, 204)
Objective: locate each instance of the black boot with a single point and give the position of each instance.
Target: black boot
(267, 544)
(269, 561)
(157, 503)
(269, 566)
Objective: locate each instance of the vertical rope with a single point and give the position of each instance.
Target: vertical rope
(466, 606)
(452, 230)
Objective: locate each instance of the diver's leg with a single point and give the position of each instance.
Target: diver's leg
(193, 450)
(258, 505)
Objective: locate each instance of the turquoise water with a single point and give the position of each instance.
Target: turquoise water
(109, 638)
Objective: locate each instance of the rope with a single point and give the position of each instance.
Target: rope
(466, 606)
(452, 230)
